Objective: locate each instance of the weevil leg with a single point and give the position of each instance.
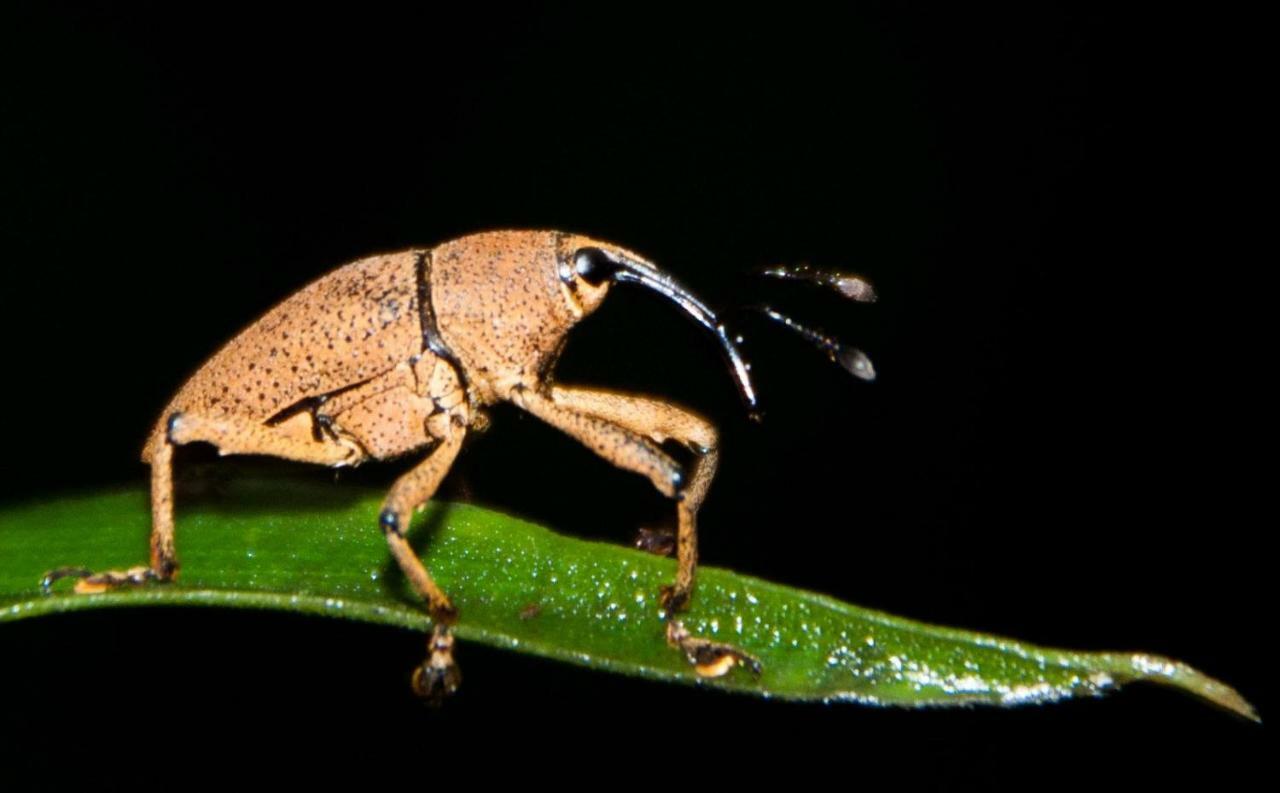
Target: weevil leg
(292, 440)
(625, 448)
(660, 421)
(418, 403)
(410, 491)
(625, 431)
(164, 554)
(164, 558)
(438, 675)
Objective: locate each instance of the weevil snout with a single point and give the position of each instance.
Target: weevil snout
(590, 269)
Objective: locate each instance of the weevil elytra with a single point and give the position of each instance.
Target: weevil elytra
(402, 352)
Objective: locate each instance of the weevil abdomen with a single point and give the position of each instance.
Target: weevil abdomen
(340, 331)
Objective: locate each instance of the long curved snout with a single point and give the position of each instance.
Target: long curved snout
(628, 270)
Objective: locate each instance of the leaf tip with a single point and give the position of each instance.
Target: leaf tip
(1167, 671)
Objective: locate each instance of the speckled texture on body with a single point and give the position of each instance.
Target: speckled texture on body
(503, 307)
(348, 327)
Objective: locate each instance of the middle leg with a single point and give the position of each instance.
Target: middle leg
(392, 421)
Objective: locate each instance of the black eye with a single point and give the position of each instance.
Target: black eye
(592, 265)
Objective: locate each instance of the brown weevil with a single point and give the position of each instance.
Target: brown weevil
(402, 352)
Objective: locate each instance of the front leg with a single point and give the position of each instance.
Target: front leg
(625, 431)
(660, 421)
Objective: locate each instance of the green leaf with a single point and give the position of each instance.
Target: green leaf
(309, 548)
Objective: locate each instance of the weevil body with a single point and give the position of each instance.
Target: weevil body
(400, 353)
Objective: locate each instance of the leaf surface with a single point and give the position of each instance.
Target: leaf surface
(304, 547)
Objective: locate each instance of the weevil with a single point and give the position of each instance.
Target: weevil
(403, 353)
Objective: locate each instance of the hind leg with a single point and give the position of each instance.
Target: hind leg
(292, 440)
(164, 557)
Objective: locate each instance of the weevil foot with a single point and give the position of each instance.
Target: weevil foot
(90, 583)
(709, 659)
(438, 676)
(661, 542)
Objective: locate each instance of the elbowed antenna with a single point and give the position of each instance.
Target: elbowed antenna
(851, 359)
(627, 270)
(853, 287)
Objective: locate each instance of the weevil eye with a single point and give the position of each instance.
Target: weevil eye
(592, 265)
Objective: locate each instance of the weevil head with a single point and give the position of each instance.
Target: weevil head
(505, 300)
(585, 268)
(588, 267)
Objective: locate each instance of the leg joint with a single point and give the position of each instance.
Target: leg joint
(171, 426)
(390, 522)
(707, 440)
(678, 481)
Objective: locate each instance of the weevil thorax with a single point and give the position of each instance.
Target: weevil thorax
(504, 301)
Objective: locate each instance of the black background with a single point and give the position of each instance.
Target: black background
(1050, 204)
